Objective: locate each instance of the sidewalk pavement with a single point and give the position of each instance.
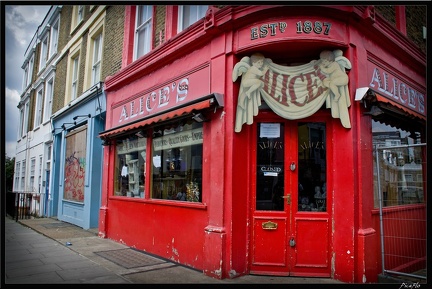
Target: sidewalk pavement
(49, 251)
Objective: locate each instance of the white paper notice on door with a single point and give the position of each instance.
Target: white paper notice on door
(270, 130)
(157, 161)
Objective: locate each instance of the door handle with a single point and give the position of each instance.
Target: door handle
(288, 197)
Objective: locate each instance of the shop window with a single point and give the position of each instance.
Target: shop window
(399, 171)
(177, 162)
(130, 167)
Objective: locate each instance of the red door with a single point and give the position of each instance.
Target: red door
(290, 213)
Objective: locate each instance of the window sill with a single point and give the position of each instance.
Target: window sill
(161, 202)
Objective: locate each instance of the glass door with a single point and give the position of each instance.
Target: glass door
(291, 224)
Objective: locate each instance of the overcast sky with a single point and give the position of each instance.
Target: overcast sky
(21, 23)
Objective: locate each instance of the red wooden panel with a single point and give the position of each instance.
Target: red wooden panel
(312, 245)
(269, 245)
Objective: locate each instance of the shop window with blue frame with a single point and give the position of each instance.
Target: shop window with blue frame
(177, 162)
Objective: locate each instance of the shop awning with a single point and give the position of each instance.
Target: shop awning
(154, 119)
(392, 104)
(372, 98)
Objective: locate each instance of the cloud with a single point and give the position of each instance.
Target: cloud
(20, 18)
(11, 121)
(21, 24)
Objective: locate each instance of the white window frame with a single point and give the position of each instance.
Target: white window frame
(25, 79)
(49, 152)
(142, 45)
(26, 116)
(54, 32)
(71, 81)
(21, 126)
(38, 112)
(49, 93)
(40, 174)
(78, 16)
(43, 52)
(183, 22)
(32, 173)
(94, 58)
(80, 13)
(75, 74)
(28, 72)
(23, 173)
(17, 176)
(97, 59)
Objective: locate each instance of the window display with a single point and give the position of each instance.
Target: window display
(177, 162)
(130, 167)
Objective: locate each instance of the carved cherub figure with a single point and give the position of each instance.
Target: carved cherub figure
(336, 73)
(252, 69)
(252, 77)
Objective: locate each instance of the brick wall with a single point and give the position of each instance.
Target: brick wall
(159, 29)
(63, 39)
(59, 85)
(82, 60)
(65, 26)
(415, 20)
(113, 40)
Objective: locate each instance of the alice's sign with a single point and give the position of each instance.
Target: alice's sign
(175, 92)
(396, 90)
(293, 92)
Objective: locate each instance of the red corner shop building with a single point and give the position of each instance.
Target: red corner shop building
(245, 143)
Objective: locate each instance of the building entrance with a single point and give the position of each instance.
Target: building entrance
(291, 232)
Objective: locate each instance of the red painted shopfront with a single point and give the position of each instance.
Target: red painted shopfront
(275, 164)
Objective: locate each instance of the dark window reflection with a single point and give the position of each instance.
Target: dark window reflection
(270, 167)
(312, 191)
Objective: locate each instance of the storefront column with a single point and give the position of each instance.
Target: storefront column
(103, 210)
(344, 205)
(366, 262)
(215, 233)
